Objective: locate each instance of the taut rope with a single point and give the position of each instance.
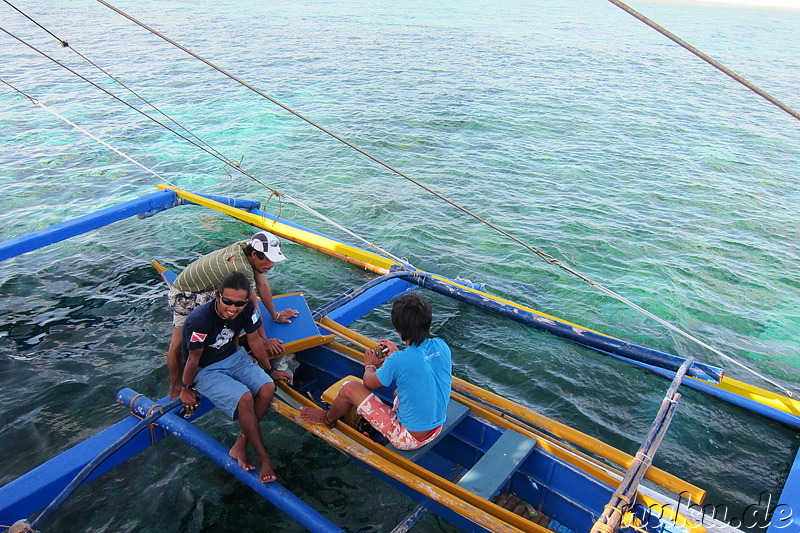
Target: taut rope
(705, 57)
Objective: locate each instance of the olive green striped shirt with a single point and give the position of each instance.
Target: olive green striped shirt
(205, 274)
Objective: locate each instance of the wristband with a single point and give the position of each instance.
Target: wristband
(276, 316)
(270, 370)
(185, 386)
(373, 367)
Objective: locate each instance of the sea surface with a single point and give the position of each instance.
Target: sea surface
(571, 125)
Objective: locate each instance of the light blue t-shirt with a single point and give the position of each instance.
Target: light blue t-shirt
(423, 374)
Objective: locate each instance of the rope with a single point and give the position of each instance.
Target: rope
(65, 44)
(300, 204)
(217, 156)
(62, 42)
(708, 59)
(210, 150)
(549, 259)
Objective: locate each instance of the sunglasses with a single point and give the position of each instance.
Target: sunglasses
(228, 301)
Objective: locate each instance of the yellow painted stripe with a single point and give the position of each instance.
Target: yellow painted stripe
(458, 499)
(757, 394)
(660, 509)
(351, 254)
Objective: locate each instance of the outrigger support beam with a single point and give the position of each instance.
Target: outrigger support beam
(276, 494)
(585, 337)
(143, 207)
(623, 498)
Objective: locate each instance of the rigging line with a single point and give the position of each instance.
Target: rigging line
(65, 44)
(217, 156)
(60, 41)
(708, 59)
(380, 250)
(546, 257)
(220, 156)
(280, 196)
(676, 329)
(89, 134)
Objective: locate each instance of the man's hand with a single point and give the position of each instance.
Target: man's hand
(273, 347)
(285, 316)
(281, 375)
(190, 400)
(372, 359)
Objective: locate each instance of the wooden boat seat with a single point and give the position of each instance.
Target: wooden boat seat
(456, 412)
(352, 418)
(498, 464)
(299, 334)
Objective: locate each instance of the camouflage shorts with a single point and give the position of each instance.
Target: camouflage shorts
(183, 303)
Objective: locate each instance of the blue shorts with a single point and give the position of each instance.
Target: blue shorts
(226, 381)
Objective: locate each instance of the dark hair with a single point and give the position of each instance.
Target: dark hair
(249, 250)
(235, 280)
(411, 317)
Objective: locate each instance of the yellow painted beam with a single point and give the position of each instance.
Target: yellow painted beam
(351, 254)
(363, 258)
(470, 505)
(757, 394)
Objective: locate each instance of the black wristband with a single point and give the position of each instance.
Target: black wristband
(270, 370)
(185, 386)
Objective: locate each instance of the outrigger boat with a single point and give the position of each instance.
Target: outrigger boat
(498, 465)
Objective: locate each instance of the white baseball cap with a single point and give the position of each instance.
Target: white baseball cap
(268, 244)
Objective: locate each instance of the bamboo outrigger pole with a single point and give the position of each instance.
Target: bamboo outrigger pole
(623, 497)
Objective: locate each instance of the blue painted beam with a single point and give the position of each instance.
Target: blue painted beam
(44, 237)
(34, 490)
(787, 419)
(577, 334)
(276, 494)
(785, 517)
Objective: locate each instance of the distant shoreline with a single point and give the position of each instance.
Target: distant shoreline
(770, 4)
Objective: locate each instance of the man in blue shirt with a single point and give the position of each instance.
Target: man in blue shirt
(219, 369)
(422, 372)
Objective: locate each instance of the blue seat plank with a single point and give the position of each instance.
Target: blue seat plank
(456, 412)
(498, 464)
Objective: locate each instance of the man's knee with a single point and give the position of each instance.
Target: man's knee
(245, 401)
(354, 391)
(266, 390)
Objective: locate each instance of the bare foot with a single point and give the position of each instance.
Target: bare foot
(266, 474)
(239, 452)
(315, 416)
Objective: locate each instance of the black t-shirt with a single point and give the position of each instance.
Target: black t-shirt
(205, 329)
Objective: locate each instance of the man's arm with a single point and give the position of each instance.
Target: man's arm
(189, 396)
(264, 291)
(371, 365)
(260, 353)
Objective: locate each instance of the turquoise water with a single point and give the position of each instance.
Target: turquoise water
(573, 126)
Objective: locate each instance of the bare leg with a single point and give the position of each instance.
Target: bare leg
(251, 411)
(174, 362)
(351, 393)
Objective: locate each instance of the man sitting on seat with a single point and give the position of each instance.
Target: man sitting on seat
(422, 373)
(219, 369)
(196, 284)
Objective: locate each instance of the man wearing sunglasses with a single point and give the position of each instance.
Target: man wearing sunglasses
(219, 369)
(196, 284)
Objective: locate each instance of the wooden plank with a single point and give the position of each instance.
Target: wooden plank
(498, 464)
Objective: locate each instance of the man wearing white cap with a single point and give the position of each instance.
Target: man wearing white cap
(197, 283)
